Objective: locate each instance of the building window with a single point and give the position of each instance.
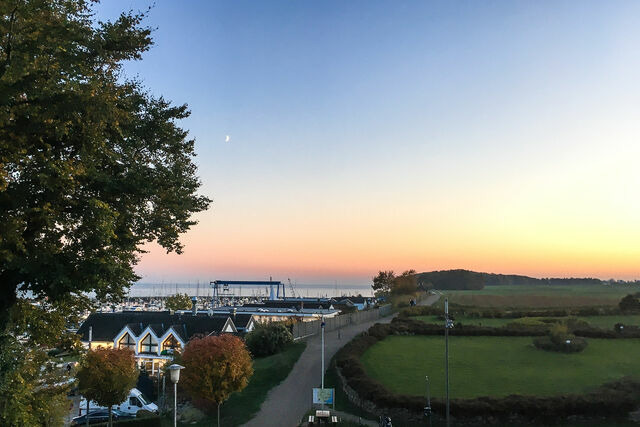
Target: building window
(170, 344)
(127, 342)
(148, 346)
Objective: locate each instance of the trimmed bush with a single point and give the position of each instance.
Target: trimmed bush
(267, 339)
(571, 344)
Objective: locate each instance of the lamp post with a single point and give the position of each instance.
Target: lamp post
(322, 326)
(427, 409)
(447, 325)
(175, 377)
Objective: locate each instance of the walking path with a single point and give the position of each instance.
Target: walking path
(290, 400)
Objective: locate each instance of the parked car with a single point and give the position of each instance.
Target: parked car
(100, 416)
(132, 404)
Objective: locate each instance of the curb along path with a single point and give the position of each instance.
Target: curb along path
(288, 402)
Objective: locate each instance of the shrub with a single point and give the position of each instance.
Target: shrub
(571, 344)
(560, 340)
(630, 304)
(267, 339)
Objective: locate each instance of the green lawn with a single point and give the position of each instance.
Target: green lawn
(497, 366)
(268, 372)
(542, 296)
(606, 322)
(600, 291)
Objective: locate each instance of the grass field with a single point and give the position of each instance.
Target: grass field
(497, 366)
(268, 372)
(606, 322)
(542, 296)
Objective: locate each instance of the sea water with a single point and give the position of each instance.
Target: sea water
(204, 289)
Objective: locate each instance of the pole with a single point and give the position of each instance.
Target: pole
(218, 415)
(429, 402)
(322, 325)
(175, 404)
(446, 353)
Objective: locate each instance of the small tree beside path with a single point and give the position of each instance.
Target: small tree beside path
(106, 376)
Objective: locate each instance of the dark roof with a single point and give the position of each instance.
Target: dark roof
(290, 304)
(356, 300)
(241, 320)
(107, 325)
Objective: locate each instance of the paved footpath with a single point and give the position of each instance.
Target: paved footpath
(289, 401)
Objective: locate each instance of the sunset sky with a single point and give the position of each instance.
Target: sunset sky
(365, 135)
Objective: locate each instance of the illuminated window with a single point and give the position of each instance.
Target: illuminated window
(148, 346)
(127, 342)
(170, 344)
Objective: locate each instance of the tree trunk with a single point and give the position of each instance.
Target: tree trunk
(110, 417)
(218, 415)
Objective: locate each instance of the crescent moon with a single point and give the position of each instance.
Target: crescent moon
(227, 138)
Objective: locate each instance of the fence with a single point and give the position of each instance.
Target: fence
(303, 329)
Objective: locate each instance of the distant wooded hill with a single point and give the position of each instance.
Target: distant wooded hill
(466, 279)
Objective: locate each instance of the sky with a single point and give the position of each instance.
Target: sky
(367, 135)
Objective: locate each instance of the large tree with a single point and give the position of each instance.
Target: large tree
(215, 367)
(106, 375)
(91, 165)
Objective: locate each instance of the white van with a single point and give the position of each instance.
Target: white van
(134, 402)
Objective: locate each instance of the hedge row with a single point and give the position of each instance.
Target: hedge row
(409, 326)
(614, 399)
(491, 313)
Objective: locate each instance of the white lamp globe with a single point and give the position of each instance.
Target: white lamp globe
(175, 372)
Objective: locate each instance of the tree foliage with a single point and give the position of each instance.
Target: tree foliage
(630, 303)
(383, 282)
(269, 338)
(32, 389)
(406, 283)
(215, 367)
(178, 302)
(386, 282)
(28, 395)
(106, 375)
(91, 165)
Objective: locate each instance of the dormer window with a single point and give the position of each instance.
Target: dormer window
(127, 342)
(171, 343)
(147, 345)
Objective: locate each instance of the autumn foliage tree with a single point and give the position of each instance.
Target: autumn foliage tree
(106, 375)
(215, 367)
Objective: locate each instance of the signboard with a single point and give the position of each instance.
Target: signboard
(323, 396)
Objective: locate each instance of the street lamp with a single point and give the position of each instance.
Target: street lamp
(427, 409)
(447, 325)
(175, 377)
